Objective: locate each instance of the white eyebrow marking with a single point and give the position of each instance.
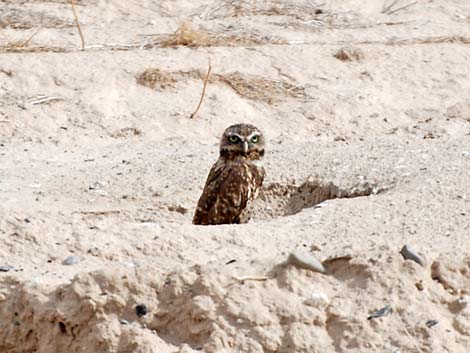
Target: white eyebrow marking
(234, 134)
(254, 133)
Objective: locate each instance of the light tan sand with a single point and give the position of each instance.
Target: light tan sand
(365, 107)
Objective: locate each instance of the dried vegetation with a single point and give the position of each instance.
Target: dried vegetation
(187, 35)
(156, 79)
(252, 87)
(241, 8)
(17, 18)
(261, 89)
(306, 14)
(349, 54)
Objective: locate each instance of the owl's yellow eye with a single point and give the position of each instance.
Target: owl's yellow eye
(255, 139)
(233, 138)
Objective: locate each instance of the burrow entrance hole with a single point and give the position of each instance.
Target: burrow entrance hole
(277, 200)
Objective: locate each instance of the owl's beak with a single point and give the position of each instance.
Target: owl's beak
(245, 146)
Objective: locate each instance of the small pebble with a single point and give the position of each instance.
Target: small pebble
(320, 205)
(71, 260)
(6, 268)
(431, 323)
(141, 310)
(97, 185)
(462, 303)
(302, 259)
(379, 313)
(124, 322)
(318, 300)
(409, 254)
(339, 138)
(128, 264)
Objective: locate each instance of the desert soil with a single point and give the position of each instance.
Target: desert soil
(366, 107)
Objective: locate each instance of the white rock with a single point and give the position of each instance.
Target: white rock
(302, 259)
(463, 302)
(318, 300)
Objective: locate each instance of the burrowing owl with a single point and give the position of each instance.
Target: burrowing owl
(235, 179)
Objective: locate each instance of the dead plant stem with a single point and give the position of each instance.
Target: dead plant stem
(78, 24)
(206, 79)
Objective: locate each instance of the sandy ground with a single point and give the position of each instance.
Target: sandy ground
(366, 108)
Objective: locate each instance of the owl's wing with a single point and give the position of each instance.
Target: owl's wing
(224, 197)
(209, 194)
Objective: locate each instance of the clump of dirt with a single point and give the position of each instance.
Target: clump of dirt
(452, 273)
(459, 110)
(349, 54)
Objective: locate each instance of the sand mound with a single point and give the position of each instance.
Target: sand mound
(366, 111)
(206, 307)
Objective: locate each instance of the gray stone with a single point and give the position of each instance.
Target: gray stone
(71, 260)
(6, 268)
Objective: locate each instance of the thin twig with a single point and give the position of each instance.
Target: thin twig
(207, 10)
(26, 42)
(99, 213)
(78, 24)
(314, 4)
(403, 7)
(45, 99)
(408, 334)
(388, 9)
(385, 9)
(246, 278)
(206, 79)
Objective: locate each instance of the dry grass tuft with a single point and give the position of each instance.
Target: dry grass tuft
(253, 87)
(241, 8)
(127, 132)
(17, 18)
(261, 89)
(185, 35)
(188, 36)
(156, 79)
(20, 45)
(349, 54)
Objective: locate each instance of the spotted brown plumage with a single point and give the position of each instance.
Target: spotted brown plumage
(235, 178)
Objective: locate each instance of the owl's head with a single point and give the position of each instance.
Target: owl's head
(242, 141)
